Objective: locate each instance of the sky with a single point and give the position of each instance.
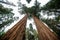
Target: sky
(15, 11)
(43, 2)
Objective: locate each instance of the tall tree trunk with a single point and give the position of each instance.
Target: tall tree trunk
(17, 32)
(44, 32)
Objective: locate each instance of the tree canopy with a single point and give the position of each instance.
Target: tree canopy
(34, 10)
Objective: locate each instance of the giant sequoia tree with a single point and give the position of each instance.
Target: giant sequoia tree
(53, 7)
(34, 12)
(18, 31)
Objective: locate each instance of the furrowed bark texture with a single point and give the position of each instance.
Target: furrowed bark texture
(44, 32)
(17, 32)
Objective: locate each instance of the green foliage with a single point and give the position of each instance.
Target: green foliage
(5, 23)
(53, 4)
(1, 34)
(57, 18)
(6, 16)
(4, 10)
(31, 28)
(34, 10)
(31, 34)
(23, 9)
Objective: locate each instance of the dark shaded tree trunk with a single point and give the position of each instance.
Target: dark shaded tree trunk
(44, 32)
(17, 32)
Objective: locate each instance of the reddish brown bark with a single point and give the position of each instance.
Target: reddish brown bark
(17, 32)
(44, 32)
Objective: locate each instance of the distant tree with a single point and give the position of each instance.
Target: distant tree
(31, 28)
(31, 34)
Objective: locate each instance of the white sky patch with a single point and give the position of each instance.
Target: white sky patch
(13, 1)
(43, 2)
(28, 5)
(32, 22)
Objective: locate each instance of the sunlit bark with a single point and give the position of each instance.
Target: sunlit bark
(17, 32)
(44, 32)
